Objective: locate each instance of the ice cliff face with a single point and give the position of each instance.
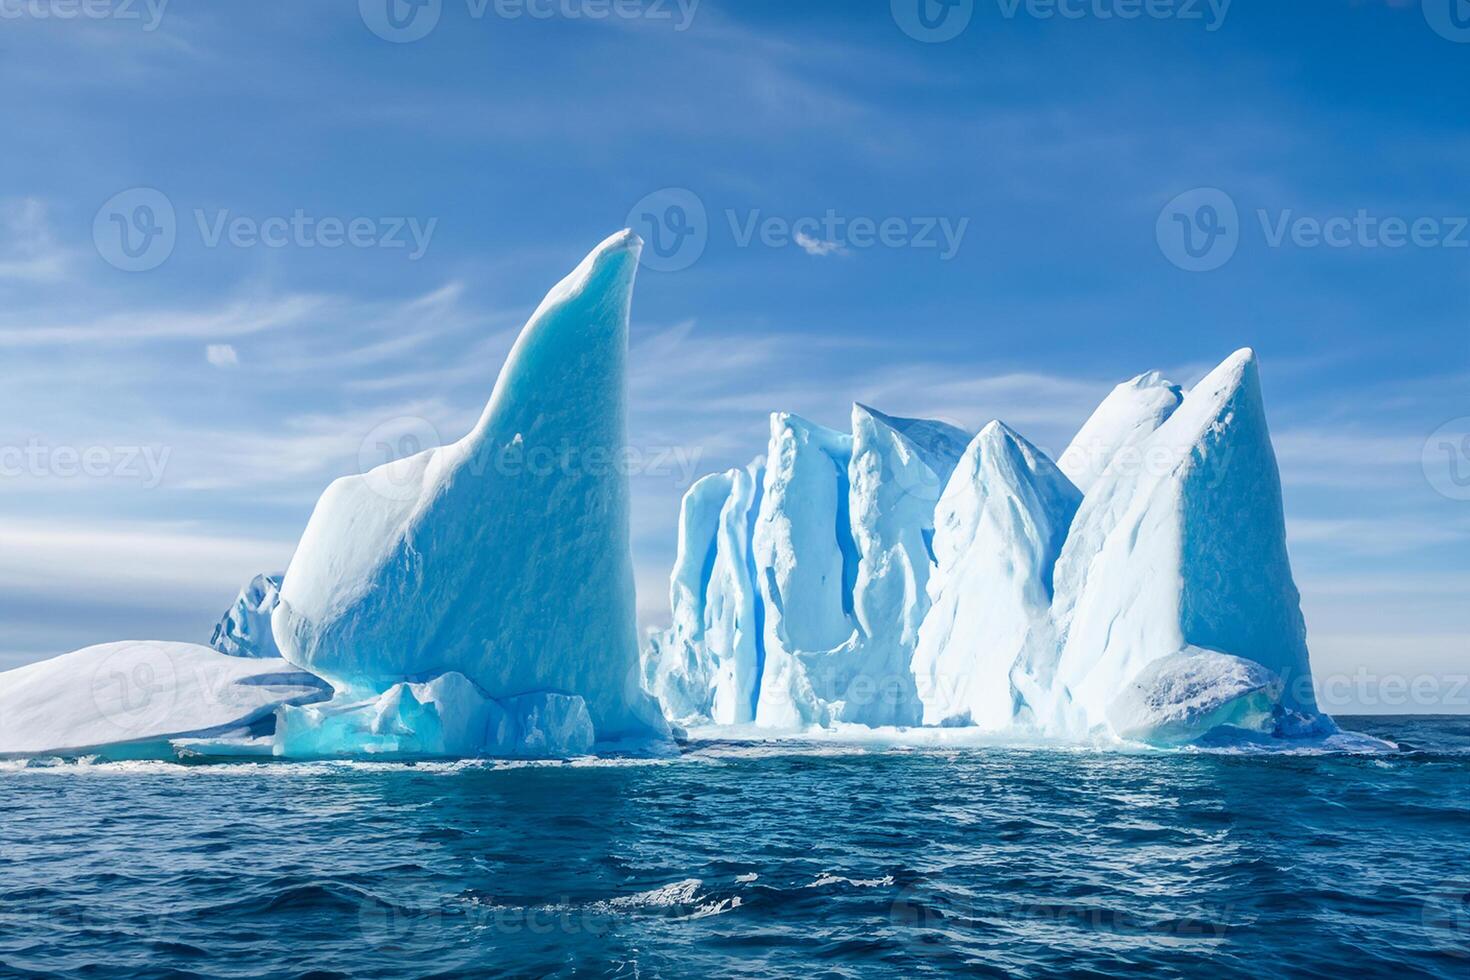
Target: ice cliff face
(985, 650)
(705, 668)
(1140, 589)
(800, 604)
(503, 557)
(1180, 548)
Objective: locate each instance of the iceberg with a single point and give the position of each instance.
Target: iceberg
(800, 581)
(1139, 589)
(705, 667)
(1129, 415)
(503, 557)
(137, 699)
(1187, 696)
(447, 717)
(804, 554)
(898, 471)
(986, 647)
(245, 628)
(1180, 548)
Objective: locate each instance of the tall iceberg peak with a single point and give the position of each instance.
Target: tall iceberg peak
(1179, 553)
(504, 556)
(1129, 415)
(985, 650)
(899, 468)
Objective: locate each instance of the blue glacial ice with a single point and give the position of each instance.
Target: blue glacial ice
(503, 558)
(1180, 547)
(478, 599)
(810, 587)
(1139, 590)
(705, 667)
(245, 628)
(986, 644)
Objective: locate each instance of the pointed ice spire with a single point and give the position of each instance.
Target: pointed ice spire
(504, 556)
(998, 529)
(1183, 550)
(899, 468)
(1129, 415)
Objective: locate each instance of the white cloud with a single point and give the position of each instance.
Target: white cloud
(28, 251)
(131, 562)
(222, 355)
(817, 247)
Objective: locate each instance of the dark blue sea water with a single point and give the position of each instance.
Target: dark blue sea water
(737, 860)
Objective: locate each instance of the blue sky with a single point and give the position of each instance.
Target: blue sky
(214, 394)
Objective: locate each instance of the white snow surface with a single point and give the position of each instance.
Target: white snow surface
(1129, 415)
(141, 693)
(504, 556)
(1182, 547)
(986, 647)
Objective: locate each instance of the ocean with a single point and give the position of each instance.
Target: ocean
(766, 860)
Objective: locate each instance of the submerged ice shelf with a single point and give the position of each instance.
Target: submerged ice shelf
(902, 579)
